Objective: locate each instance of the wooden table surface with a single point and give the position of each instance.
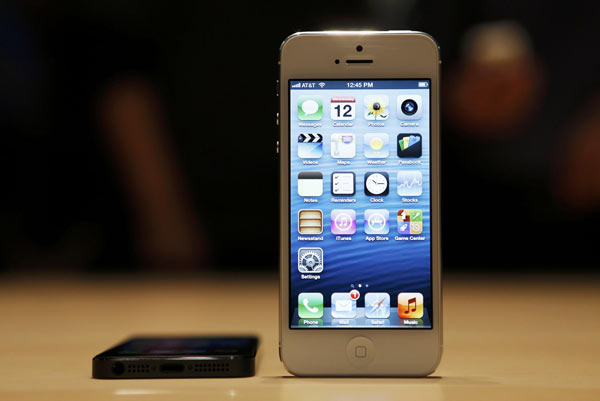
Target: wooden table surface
(506, 338)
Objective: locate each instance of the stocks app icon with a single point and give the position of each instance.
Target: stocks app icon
(343, 221)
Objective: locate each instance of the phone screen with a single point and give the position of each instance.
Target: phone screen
(360, 218)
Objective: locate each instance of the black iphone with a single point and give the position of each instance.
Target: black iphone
(160, 357)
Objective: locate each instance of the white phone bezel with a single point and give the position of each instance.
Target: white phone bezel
(395, 54)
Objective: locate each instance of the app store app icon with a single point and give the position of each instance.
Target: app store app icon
(377, 221)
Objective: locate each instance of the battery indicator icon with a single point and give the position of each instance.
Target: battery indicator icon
(423, 84)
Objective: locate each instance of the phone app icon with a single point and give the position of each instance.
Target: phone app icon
(410, 145)
(310, 305)
(310, 222)
(376, 107)
(410, 305)
(342, 306)
(377, 305)
(343, 107)
(310, 260)
(310, 107)
(376, 146)
(343, 221)
(410, 183)
(410, 221)
(409, 107)
(343, 146)
(342, 183)
(377, 183)
(377, 221)
(310, 183)
(310, 146)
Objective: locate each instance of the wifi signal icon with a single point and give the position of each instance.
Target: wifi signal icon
(321, 84)
(410, 183)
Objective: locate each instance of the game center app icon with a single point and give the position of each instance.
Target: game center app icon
(310, 107)
(343, 221)
(410, 221)
(310, 260)
(310, 146)
(377, 221)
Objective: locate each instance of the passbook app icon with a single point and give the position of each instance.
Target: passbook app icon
(410, 305)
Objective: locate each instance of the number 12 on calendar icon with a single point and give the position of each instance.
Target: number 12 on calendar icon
(343, 107)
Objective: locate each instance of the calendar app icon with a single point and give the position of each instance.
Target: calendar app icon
(343, 107)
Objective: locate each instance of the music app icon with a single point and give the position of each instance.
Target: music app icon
(410, 305)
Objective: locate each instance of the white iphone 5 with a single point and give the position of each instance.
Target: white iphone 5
(360, 239)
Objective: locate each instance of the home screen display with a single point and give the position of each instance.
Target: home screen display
(360, 221)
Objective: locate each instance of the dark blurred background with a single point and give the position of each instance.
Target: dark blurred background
(140, 136)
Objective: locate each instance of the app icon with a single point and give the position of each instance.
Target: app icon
(310, 222)
(377, 221)
(410, 305)
(310, 183)
(410, 221)
(409, 107)
(310, 305)
(376, 107)
(310, 108)
(410, 183)
(377, 305)
(343, 107)
(343, 146)
(310, 146)
(342, 306)
(409, 145)
(343, 221)
(377, 183)
(310, 260)
(376, 146)
(342, 183)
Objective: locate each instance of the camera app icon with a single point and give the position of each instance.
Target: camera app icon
(409, 107)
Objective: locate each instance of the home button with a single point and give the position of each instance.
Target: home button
(360, 351)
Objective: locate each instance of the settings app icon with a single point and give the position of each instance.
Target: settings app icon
(310, 260)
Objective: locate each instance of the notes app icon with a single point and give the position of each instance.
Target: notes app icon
(410, 305)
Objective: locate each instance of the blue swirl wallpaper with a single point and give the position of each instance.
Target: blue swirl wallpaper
(360, 239)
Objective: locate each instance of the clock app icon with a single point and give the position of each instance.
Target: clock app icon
(377, 183)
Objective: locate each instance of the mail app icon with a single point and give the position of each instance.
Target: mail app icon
(342, 306)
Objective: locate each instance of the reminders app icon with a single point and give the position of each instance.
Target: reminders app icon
(310, 146)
